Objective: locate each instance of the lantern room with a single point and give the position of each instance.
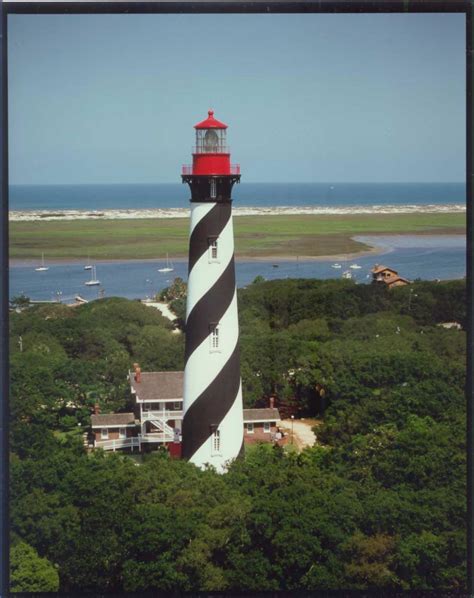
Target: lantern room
(210, 136)
(211, 156)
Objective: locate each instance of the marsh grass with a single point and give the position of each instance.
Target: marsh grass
(255, 236)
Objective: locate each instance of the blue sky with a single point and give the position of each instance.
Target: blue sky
(317, 98)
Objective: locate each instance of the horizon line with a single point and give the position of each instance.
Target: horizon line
(10, 184)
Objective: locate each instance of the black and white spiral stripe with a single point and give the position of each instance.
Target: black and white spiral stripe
(212, 386)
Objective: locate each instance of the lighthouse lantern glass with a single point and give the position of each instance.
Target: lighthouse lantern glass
(211, 141)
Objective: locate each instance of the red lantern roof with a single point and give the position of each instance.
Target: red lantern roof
(210, 122)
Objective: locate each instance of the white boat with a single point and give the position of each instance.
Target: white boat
(336, 266)
(355, 266)
(347, 274)
(168, 267)
(88, 266)
(93, 281)
(42, 268)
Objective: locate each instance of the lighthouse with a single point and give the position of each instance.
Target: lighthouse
(212, 428)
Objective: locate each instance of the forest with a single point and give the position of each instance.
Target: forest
(378, 502)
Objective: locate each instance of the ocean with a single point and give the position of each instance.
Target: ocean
(260, 195)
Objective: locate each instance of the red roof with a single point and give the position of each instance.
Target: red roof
(377, 269)
(210, 122)
(398, 279)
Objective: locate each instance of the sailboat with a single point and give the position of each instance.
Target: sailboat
(168, 267)
(337, 266)
(93, 281)
(88, 266)
(42, 268)
(355, 266)
(347, 274)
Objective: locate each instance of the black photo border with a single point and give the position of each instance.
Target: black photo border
(224, 7)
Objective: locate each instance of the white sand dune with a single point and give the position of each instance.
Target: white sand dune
(22, 216)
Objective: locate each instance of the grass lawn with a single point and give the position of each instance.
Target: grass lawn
(255, 236)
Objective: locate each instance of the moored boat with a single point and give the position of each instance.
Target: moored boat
(42, 268)
(93, 281)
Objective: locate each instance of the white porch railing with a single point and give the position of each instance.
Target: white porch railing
(157, 437)
(161, 414)
(118, 443)
(135, 441)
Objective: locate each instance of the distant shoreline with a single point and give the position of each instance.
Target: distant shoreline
(166, 213)
(375, 250)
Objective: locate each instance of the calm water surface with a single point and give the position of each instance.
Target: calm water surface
(428, 257)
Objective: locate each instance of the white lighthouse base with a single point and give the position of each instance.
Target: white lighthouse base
(230, 440)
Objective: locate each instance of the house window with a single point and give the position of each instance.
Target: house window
(266, 426)
(122, 433)
(215, 337)
(177, 405)
(249, 428)
(104, 433)
(216, 441)
(213, 188)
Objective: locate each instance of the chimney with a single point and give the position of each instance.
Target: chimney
(272, 402)
(96, 409)
(138, 373)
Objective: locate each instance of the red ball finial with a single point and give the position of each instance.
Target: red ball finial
(210, 113)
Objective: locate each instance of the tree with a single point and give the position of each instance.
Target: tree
(29, 572)
(177, 290)
(370, 561)
(19, 302)
(351, 512)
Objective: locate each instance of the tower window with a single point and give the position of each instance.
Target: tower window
(213, 249)
(213, 188)
(215, 337)
(216, 441)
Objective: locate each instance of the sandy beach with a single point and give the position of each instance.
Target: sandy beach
(68, 215)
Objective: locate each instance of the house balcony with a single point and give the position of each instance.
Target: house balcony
(160, 415)
(156, 437)
(134, 441)
(118, 443)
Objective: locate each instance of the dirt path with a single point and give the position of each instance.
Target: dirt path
(164, 309)
(303, 435)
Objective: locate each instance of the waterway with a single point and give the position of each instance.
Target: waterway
(427, 257)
